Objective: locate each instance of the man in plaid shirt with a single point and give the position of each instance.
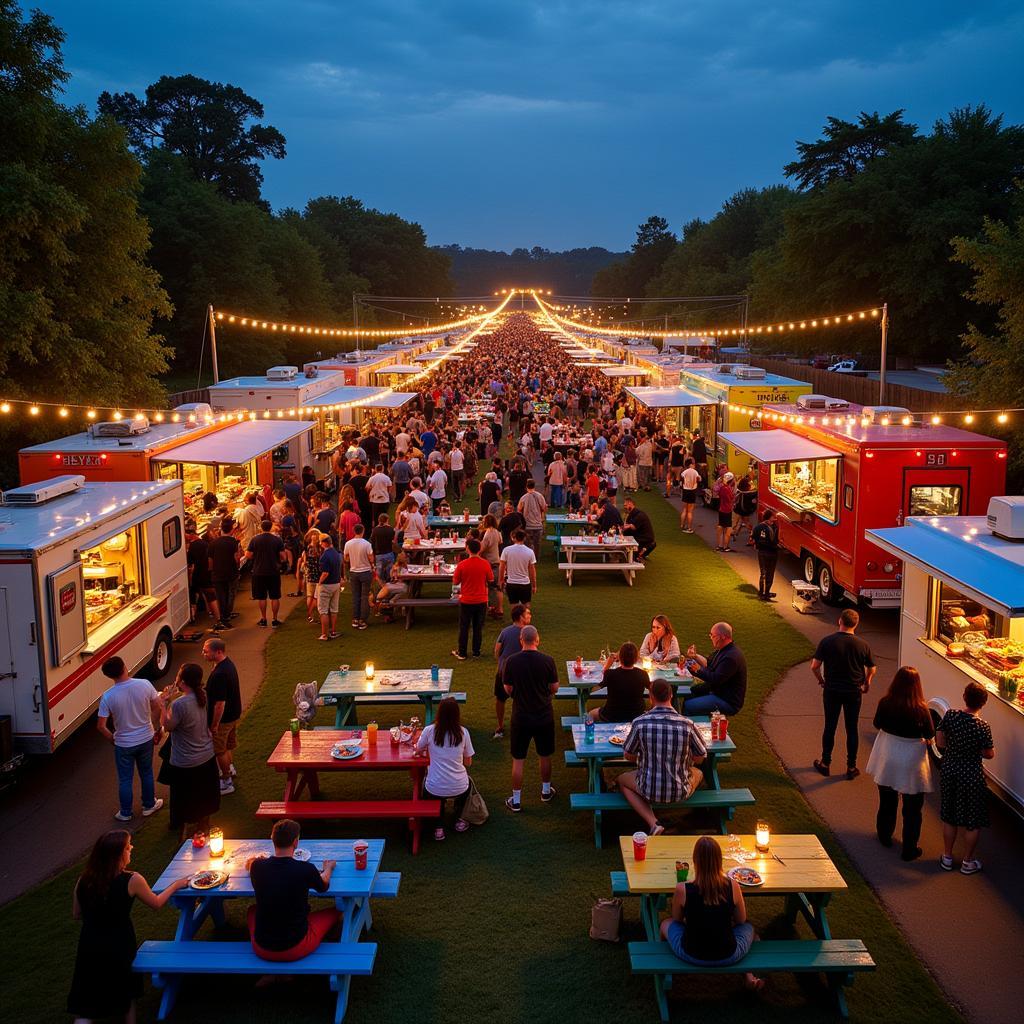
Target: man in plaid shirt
(666, 748)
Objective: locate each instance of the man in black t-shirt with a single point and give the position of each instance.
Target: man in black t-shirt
(223, 709)
(224, 559)
(766, 540)
(197, 556)
(530, 678)
(266, 552)
(844, 668)
(281, 925)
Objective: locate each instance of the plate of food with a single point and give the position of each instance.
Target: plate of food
(301, 854)
(617, 740)
(346, 752)
(746, 876)
(209, 879)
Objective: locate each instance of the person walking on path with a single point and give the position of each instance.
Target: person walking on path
(766, 541)
(844, 668)
(533, 509)
(530, 678)
(225, 554)
(899, 759)
(135, 708)
(965, 740)
(328, 589)
(267, 554)
(666, 748)
(723, 675)
(223, 709)
(690, 486)
(359, 568)
(505, 646)
(472, 575)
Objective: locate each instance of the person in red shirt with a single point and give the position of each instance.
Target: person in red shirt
(347, 524)
(472, 574)
(593, 484)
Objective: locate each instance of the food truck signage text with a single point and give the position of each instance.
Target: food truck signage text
(82, 461)
(935, 458)
(68, 598)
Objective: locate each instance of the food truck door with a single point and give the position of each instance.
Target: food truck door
(21, 693)
(935, 489)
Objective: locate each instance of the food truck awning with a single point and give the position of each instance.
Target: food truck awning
(400, 368)
(389, 399)
(237, 444)
(668, 398)
(962, 552)
(778, 446)
(362, 398)
(625, 371)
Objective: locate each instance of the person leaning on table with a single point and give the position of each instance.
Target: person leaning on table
(626, 686)
(282, 928)
(723, 675)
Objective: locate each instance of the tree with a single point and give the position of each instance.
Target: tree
(206, 123)
(630, 277)
(848, 148)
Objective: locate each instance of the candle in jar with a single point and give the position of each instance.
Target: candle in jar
(216, 842)
(648, 664)
(762, 836)
(369, 670)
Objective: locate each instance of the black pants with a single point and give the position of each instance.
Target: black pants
(225, 591)
(458, 803)
(646, 546)
(471, 614)
(766, 560)
(849, 705)
(885, 823)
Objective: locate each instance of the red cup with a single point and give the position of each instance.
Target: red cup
(578, 670)
(723, 727)
(639, 846)
(360, 849)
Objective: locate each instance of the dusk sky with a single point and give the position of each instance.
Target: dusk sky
(561, 123)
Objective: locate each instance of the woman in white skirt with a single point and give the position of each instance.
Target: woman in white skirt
(899, 759)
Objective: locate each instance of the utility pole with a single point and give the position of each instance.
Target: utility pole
(885, 342)
(212, 320)
(355, 317)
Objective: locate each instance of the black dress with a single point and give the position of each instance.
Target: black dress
(964, 791)
(104, 984)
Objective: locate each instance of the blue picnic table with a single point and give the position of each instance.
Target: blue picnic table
(679, 679)
(387, 686)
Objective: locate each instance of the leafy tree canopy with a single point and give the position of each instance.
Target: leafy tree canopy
(629, 277)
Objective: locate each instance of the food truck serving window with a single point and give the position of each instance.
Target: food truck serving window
(113, 576)
(936, 500)
(809, 485)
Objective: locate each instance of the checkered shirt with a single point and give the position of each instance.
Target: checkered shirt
(665, 743)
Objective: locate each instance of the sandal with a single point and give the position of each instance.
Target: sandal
(462, 825)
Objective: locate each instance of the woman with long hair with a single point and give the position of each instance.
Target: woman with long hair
(708, 925)
(195, 778)
(309, 568)
(899, 759)
(451, 753)
(661, 643)
(104, 984)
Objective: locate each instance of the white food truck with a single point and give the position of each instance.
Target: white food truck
(87, 571)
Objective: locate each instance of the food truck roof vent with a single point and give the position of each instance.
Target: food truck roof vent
(311, 370)
(750, 372)
(121, 428)
(200, 410)
(821, 402)
(282, 373)
(876, 413)
(1005, 517)
(44, 491)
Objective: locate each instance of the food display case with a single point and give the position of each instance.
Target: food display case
(808, 485)
(111, 574)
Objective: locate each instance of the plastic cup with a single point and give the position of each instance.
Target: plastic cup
(294, 726)
(639, 846)
(360, 848)
(371, 734)
(723, 727)
(588, 730)
(578, 671)
(682, 870)
(435, 673)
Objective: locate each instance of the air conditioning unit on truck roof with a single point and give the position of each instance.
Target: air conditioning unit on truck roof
(121, 428)
(282, 373)
(44, 491)
(822, 402)
(876, 413)
(750, 372)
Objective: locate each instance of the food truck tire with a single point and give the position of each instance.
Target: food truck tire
(163, 652)
(810, 566)
(831, 592)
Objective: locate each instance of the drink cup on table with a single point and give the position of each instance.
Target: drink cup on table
(360, 849)
(639, 846)
(371, 734)
(682, 870)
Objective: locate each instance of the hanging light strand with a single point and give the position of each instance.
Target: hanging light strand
(259, 323)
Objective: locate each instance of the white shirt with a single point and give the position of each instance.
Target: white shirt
(358, 552)
(518, 558)
(446, 773)
(402, 442)
(691, 479)
(420, 496)
(130, 705)
(545, 431)
(415, 526)
(438, 482)
(458, 460)
(378, 489)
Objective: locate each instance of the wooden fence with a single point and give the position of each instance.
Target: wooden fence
(188, 397)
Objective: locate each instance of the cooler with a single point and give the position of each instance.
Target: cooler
(805, 597)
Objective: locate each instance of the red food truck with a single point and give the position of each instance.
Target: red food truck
(832, 470)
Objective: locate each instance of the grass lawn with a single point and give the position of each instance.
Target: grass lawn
(493, 924)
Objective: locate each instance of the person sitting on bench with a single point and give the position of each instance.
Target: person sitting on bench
(281, 926)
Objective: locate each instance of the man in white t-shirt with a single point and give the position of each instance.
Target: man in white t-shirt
(436, 485)
(517, 570)
(419, 494)
(545, 432)
(359, 566)
(402, 440)
(135, 708)
(690, 486)
(458, 464)
(378, 490)
(644, 462)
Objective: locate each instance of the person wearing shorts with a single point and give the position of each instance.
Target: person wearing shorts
(690, 484)
(530, 678)
(517, 570)
(267, 553)
(328, 591)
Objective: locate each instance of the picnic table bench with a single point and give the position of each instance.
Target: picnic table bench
(408, 605)
(616, 555)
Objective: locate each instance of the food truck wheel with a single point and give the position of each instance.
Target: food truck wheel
(163, 651)
(831, 593)
(810, 567)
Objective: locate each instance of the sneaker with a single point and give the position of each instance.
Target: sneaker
(459, 657)
(275, 623)
(262, 622)
(361, 625)
(234, 615)
(549, 795)
(513, 806)
(946, 863)
(121, 816)
(970, 867)
(822, 769)
(322, 636)
(499, 734)
(852, 773)
(657, 829)
(157, 804)
(355, 623)
(439, 834)
(226, 786)
(223, 625)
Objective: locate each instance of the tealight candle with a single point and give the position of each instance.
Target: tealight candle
(762, 836)
(216, 842)
(648, 664)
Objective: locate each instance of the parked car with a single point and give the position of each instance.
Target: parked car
(844, 366)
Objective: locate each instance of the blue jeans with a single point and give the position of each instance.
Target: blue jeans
(384, 563)
(360, 584)
(743, 933)
(557, 495)
(706, 704)
(126, 758)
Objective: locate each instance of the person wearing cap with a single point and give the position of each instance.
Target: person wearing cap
(725, 491)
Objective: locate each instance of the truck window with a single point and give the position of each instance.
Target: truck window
(935, 500)
(808, 485)
(113, 574)
(171, 531)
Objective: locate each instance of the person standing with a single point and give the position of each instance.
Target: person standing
(530, 678)
(378, 489)
(401, 473)
(225, 554)
(899, 759)
(690, 484)
(699, 450)
(723, 676)
(382, 540)
(328, 590)
(472, 576)
(436, 486)
(249, 519)
(726, 494)
(223, 709)
(965, 740)
(533, 509)
(457, 461)
(135, 708)
(558, 478)
(517, 570)
(766, 542)
(844, 668)
(267, 554)
(644, 462)
(359, 567)
(505, 646)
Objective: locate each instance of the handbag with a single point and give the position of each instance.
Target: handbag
(605, 919)
(475, 811)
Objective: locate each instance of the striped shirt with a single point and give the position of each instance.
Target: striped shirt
(665, 744)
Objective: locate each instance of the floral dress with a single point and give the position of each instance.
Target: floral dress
(964, 791)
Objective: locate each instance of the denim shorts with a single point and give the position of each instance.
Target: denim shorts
(743, 933)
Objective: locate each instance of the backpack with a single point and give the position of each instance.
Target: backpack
(764, 536)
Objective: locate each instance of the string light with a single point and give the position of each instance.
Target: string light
(347, 332)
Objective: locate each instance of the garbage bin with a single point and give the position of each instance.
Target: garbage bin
(805, 597)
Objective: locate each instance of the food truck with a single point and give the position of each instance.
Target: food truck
(672, 402)
(740, 392)
(87, 571)
(962, 619)
(832, 470)
(355, 368)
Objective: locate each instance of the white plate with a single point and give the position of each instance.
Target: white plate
(301, 854)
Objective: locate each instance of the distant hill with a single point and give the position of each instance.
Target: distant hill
(482, 271)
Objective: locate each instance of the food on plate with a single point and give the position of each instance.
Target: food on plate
(956, 650)
(618, 741)
(746, 876)
(208, 879)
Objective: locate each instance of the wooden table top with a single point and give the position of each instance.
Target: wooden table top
(591, 542)
(311, 749)
(402, 680)
(602, 747)
(807, 868)
(593, 674)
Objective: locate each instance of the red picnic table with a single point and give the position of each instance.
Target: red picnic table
(304, 755)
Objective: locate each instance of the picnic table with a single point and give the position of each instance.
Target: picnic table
(422, 546)
(415, 576)
(593, 678)
(302, 757)
(342, 688)
(453, 522)
(340, 961)
(615, 554)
